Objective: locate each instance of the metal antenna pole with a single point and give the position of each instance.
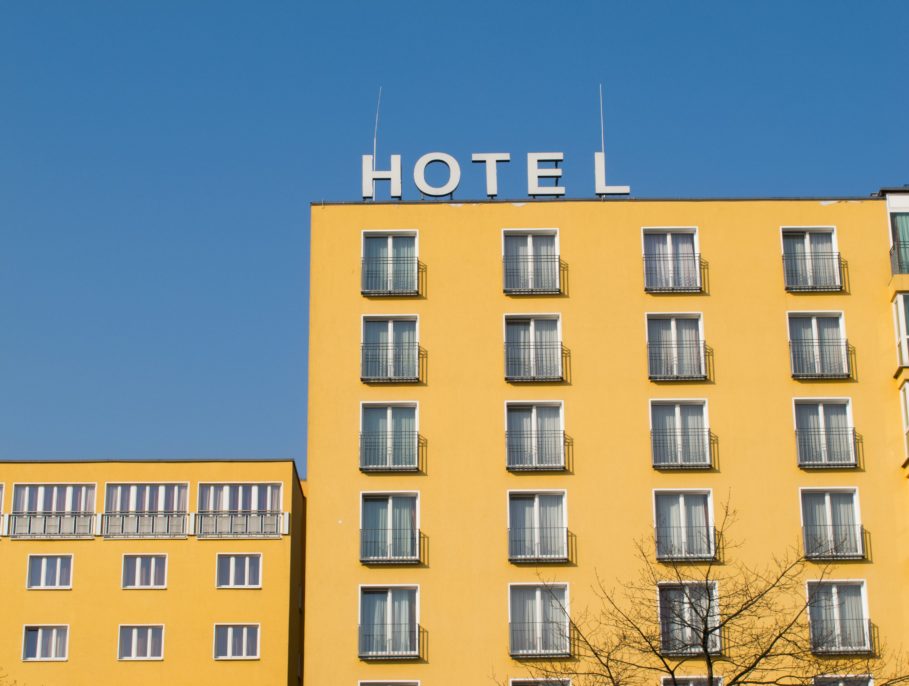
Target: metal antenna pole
(375, 139)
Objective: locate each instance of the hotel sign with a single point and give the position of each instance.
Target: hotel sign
(536, 172)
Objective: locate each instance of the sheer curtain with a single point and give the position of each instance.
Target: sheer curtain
(852, 625)
(375, 348)
(520, 436)
(901, 240)
(665, 436)
(521, 510)
(518, 348)
(375, 269)
(375, 528)
(695, 443)
(657, 266)
(404, 264)
(689, 348)
(796, 265)
(404, 620)
(404, 526)
(824, 270)
(517, 262)
(552, 526)
(844, 530)
(808, 426)
(670, 541)
(673, 617)
(697, 536)
(832, 347)
(817, 530)
(801, 334)
(404, 436)
(821, 615)
(374, 443)
(405, 350)
(374, 622)
(660, 346)
(546, 263)
(839, 437)
(523, 618)
(555, 621)
(549, 436)
(548, 360)
(684, 264)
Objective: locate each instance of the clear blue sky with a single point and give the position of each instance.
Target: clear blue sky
(157, 158)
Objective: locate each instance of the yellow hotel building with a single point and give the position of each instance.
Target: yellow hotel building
(150, 573)
(505, 396)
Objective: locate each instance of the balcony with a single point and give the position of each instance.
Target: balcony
(841, 636)
(820, 359)
(899, 257)
(680, 448)
(529, 362)
(685, 543)
(539, 639)
(680, 361)
(677, 644)
(390, 362)
(390, 276)
(143, 524)
(816, 271)
(535, 450)
(390, 546)
(532, 275)
(826, 448)
(389, 451)
(239, 524)
(672, 273)
(51, 525)
(389, 641)
(538, 544)
(834, 542)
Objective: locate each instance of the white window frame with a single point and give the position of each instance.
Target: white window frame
(538, 605)
(144, 588)
(42, 627)
(677, 403)
(43, 557)
(245, 482)
(68, 499)
(390, 234)
(814, 228)
(700, 680)
(390, 495)
(901, 327)
(862, 583)
(132, 498)
(822, 419)
(673, 317)
(529, 233)
(667, 230)
(388, 405)
(839, 679)
(232, 585)
(681, 492)
(388, 587)
(134, 658)
(534, 404)
(536, 492)
(532, 317)
(389, 319)
(827, 491)
(234, 625)
(715, 604)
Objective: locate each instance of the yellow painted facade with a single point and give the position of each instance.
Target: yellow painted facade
(464, 572)
(188, 606)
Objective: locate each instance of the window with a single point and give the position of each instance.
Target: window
(690, 681)
(837, 619)
(539, 620)
(247, 510)
(831, 525)
(531, 262)
(144, 510)
(389, 264)
(899, 253)
(824, 433)
(388, 438)
(536, 527)
(534, 437)
(689, 618)
(671, 261)
(901, 320)
(390, 350)
(542, 682)
(818, 346)
(675, 348)
(144, 571)
(684, 526)
(810, 260)
(141, 643)
(236, 641)
(52, 511)
(388, 623)
(533, 349)
(389, 530)
(679, 436)
(45, 643)
(239, 570)
(50, 571)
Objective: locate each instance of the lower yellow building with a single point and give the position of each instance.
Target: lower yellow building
(506, 398)
(150, 573)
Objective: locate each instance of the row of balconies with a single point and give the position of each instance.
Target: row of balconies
(547, 274)
(244, 524)
(554, 544)
(546, 450)
(548, 362)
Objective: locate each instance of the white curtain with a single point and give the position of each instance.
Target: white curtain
(660, 347)
(552, 526)
(670, 533)
(375, 528)
(404, 436)
(517, 262)
(375, 348)
(796, 266)
(697, 535)
(673, 617)
(665, 440)
(520, 436)
(801, 334)
(808, 426)
(839, 437)
(375, 268)
(549, 436)
(822, 615)
(689, 348)
(546, 263)
(555, 623)
(374, 621)
(523, 618)
(548, 362)
(824, 269)
(657, 267)
(694, 440)
(405, 348)
(374, 442)
(521, 521)
(832, 348)
(404, 526)
(684, 264)
(519, 352)
(817, 524)
(404, 620)
(844, 530)
(404, 264)
(852, 629)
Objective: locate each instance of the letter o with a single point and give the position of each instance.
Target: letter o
(454, 174)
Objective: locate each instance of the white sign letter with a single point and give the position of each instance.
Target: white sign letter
(535, 173)
(370, 176)
(599, 175)
(490, 159)
(454, 174)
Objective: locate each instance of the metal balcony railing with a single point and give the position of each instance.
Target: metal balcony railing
(535, 450)
(844, 636)
(899, 257)
(680, 448)
(143, 524)
(539, 639)
(394, 362)
(390, 545)
(815, 271)
(533, 361)
(239, 523)
(817, 359)
(51, 525)
(680, 361)
(680, 640)
(672, 273)
(538, 544)
(389, 276)
(825, 448)
(834, 541)
(389, 451)
(535, 274)
(685, 542)
(389, 641)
